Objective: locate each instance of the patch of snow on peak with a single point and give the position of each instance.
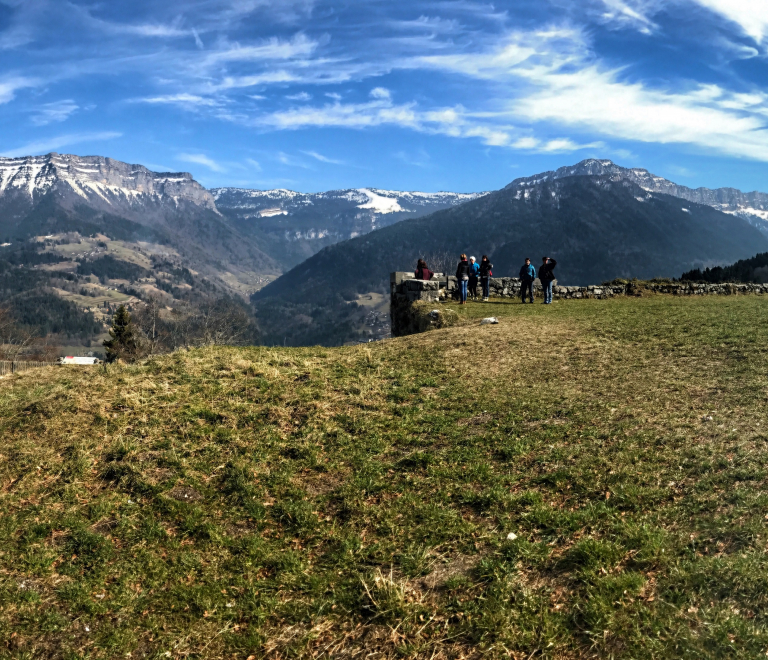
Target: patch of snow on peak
(687, 210)
(271, 213)
(379, 203)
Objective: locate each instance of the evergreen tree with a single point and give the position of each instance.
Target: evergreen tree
(123, 337)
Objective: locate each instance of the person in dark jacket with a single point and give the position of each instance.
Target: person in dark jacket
(485, 277)
(527, 275)
(474, 272)
(547, 277)
(462, 277)
(422, 272)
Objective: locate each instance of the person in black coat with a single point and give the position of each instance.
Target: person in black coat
(462, 278)
(547, 277)
(485, 276)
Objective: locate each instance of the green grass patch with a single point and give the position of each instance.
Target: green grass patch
(546, 487)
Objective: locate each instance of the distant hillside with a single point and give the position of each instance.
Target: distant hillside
(744, 270)
(598, 228)
(293, 226)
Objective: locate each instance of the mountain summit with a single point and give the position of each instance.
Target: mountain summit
(751, 206)
(98, 180)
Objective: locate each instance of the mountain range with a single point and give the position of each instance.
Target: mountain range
(598, 220)
(315, 263)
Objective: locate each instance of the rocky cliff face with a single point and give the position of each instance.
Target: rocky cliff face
(752, 206)
(97, 179)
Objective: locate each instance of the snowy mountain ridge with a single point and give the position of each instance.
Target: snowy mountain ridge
(97, 178)
(378, 200)
(751, 206)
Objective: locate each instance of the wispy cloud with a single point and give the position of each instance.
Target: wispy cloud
(323, 159)
(187, 101)
(10, 86)
(631, 13)
(419, 158)
(54, 143)
(55, 112)
(301, 96)
(750, 15)
(291, 161)
(202, 159)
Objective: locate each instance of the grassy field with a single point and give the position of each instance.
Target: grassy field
(586, 479)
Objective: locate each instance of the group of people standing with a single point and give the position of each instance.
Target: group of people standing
(469, 272)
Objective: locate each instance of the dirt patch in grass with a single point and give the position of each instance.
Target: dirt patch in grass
(184, 494)
(443, 572)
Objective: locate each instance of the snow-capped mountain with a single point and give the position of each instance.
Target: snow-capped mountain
(98, 179)
(89, 195)
(751, 206)
(300, 224)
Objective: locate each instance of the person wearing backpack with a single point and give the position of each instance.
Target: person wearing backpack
(547, 277)
(462, 278)
(474, 272)
(486, 273)
(527, 275)
(422, 272)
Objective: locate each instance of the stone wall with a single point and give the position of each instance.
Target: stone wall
(405, 291)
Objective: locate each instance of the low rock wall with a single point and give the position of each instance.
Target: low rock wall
(405, 291)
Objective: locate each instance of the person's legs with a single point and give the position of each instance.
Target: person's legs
(548, 293)
(523, 286)
(463, 291)
(473, 287)
(530, 290)
(486, 287)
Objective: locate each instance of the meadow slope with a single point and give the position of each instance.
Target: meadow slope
(358, 502)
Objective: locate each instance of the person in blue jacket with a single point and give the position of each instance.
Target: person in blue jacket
(527, 275)
(474, 272)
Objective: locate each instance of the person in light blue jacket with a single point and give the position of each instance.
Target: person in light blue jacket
(527, 275)
(474, 273)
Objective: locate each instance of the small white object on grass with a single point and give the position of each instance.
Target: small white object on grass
(706, 418)
(489, 321)
(511, 536)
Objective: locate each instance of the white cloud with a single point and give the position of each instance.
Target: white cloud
(10, 86)
(201, 159)
(184, 100)
(198, 41)
(323, 159)
(54, 143)
(271, 49)
(750, 15)
(254, 164)
(599, 101)
(301, 96)
(290, 161)
(380, 93)
(57, 111)
(454, 122)
(631, 13)
(334, 96)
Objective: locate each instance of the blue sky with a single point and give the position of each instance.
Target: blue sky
(425, 95)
